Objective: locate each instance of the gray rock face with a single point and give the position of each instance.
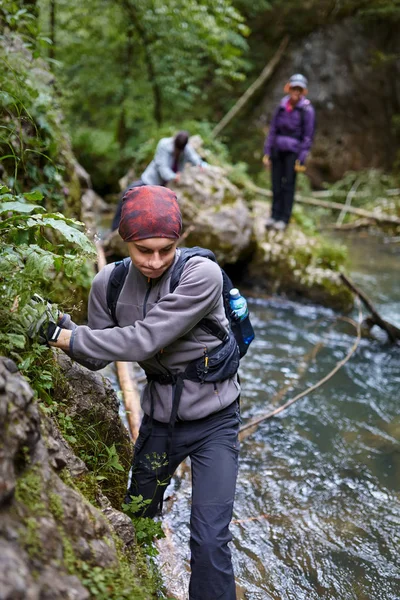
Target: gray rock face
(19, 428)
(214, 210)
(355, 97)
(46, 526)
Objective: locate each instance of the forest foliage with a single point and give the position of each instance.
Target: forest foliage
(115, 77)
(128, 71)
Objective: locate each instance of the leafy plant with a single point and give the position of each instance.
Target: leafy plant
(146, 529)
(38, 250)
(103, 461)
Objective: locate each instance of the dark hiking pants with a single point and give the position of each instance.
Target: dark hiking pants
(117, 215)
(213, 447)
(283, 184)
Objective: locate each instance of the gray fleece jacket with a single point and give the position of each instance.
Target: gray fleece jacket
(160, 331)
(160, 170)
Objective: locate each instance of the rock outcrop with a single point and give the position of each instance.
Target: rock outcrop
(295, 264)
(54, 543)
(355, 92)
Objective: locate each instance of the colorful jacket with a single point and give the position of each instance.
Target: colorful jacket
(160, 331)
(160, 170)
(291, 131)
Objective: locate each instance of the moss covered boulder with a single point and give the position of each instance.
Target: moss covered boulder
(55, 544)
(293, 263)
(216, 213)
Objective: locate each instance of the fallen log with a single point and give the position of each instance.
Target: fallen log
(262, 78)
(392, 331)
(130, 396)
(381, 218)
(361, 194)
(359, 224)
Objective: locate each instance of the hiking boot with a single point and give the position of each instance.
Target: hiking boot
(280, 225)
(270, 222)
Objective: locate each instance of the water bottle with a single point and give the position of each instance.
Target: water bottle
(238, 305)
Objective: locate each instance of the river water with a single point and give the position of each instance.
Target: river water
(317, 509)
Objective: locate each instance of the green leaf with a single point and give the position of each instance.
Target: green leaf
(69, 233)
(34, 196)
(17, 340)
(13, 340)
(20, 207)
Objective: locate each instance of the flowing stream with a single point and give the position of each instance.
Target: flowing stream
(317, 510)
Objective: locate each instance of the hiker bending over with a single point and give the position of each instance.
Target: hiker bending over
(169, 160)
(191, 399)
(286, 147)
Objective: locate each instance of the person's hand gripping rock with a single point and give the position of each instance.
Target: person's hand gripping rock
(40, 319)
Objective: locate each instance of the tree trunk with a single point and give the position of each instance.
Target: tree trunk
(122, 128)
(134, 18)
(52, 48)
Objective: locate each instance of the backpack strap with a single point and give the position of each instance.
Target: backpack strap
(303, 110)
(120, 271)
(115, 285)
(186, 254)
(302, 122)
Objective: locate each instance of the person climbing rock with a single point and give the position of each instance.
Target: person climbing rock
(287, 146)
(171, 155)
(182, 340)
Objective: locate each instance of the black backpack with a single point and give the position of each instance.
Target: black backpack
(242, 330)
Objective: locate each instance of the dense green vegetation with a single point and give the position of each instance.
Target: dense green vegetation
(128, 72)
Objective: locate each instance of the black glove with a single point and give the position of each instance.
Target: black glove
(49, 333)
(40, 319)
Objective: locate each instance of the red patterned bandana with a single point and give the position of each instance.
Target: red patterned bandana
(150, 211)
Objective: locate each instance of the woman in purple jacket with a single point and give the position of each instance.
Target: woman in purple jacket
(286, 148)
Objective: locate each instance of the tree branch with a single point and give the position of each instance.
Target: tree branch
(151, 71)
(265, 74)
(255, 422)
(392, 331)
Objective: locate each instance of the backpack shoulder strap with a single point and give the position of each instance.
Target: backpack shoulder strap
(186, 254)
(115, 285)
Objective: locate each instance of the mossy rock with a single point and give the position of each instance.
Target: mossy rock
(293, 263)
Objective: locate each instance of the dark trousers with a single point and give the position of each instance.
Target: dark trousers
(213, 447)
(117, 215)
(283, 184)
